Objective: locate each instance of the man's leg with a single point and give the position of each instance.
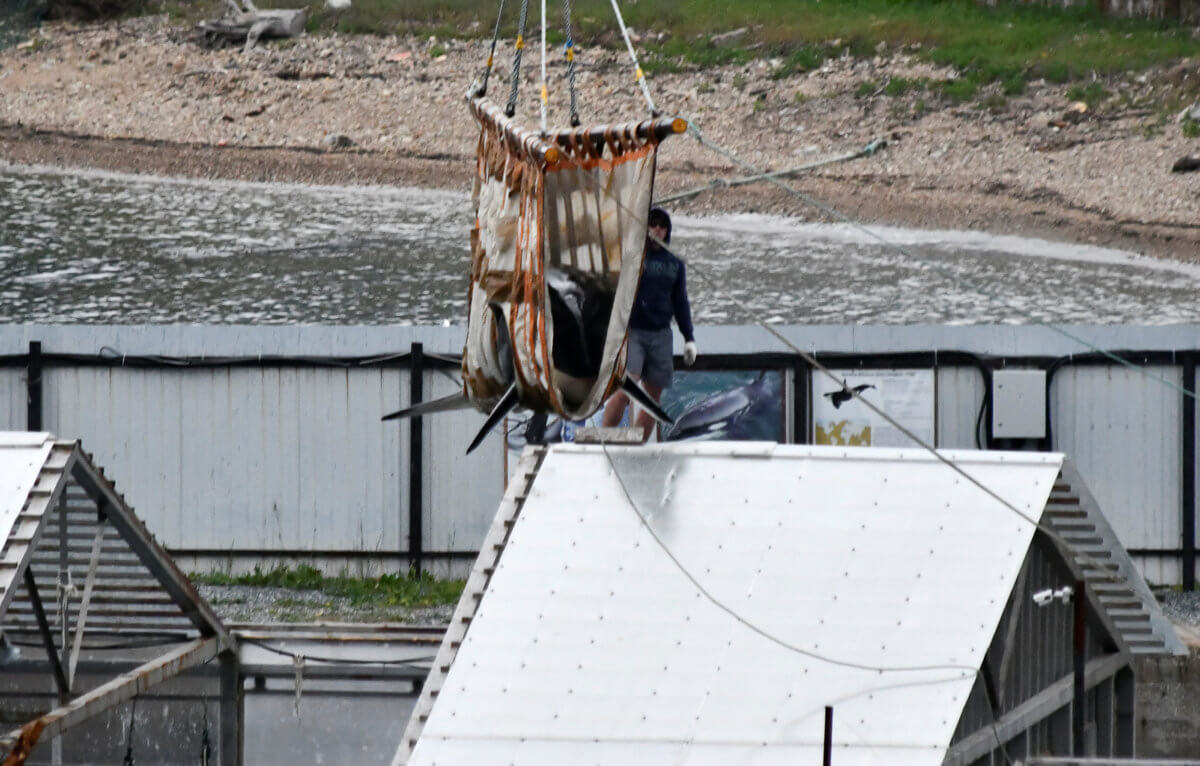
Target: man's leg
(644, 419)
(614, 409)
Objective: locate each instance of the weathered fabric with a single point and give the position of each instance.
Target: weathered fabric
(537, 205)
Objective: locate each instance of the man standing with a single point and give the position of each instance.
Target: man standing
(661, 295)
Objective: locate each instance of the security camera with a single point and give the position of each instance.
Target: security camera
(1047, 596)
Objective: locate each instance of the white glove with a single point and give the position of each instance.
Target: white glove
(690, 353)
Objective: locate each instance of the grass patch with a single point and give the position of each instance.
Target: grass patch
(407, 590)
(960, 90)
(1013, 85)
(898, 86)
(1054, 43)
(806, 58)
(1089, 93)
(866, 88)
(1190, 128)
(1008, 45)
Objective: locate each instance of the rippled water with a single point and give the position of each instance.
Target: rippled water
(103, 248)
(17, 17)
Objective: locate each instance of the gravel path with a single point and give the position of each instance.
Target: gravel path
(1182, 608)
(137, 95)
(253, 604)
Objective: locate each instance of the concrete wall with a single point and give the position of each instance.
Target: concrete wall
(1168, 706)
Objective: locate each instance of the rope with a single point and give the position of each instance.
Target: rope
(722, 183)
(569, 53)
(545, 93)
(518, 47)
(641, 76)
(481, 91)
(838, 215)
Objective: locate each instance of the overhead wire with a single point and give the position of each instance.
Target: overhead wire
(1100, 565)
(414, 662)
(829, 210)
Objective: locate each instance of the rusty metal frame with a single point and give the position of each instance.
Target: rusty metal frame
(74, 465)
(149, 552)
(125, 686)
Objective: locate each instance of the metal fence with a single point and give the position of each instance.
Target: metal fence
(250, 445)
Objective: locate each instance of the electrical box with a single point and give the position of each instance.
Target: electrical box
(1019, 404)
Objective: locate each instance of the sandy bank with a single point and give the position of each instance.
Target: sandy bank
(137, 96)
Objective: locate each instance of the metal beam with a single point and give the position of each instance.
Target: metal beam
(33, 387)
(1041, 706)
(416, 492)
(90, 583)
(1189, 474)
(116, 691)
(232, 711)
(151, 554)
(64, 686)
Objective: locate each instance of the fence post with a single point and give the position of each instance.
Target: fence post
(1188, 543)
(33, 387)
(416, 375)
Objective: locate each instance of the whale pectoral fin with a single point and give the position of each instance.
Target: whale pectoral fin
(504, 347)
(454, 401)
(502, 408)
(639, 395)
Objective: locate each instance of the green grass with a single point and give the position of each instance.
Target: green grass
(1190, 128)
(898, 86)
(866, 88)
(1090, 93)
(407, 590)
(959, 90)
(1010, 44)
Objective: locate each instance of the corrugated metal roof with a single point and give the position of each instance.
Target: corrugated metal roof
(764, 583)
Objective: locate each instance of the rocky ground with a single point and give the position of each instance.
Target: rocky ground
(140, 96)
(256, 604)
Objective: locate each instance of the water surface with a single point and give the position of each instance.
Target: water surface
(90, 247)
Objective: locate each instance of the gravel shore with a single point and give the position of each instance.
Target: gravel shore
(139, 96)
(256, 604)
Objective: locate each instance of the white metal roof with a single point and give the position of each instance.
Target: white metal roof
(22, 455)
(592, 645)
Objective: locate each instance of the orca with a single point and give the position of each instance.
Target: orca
(581, 306)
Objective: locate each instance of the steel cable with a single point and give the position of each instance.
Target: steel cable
(518, 47)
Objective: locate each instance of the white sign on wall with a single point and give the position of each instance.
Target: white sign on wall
(907, 396)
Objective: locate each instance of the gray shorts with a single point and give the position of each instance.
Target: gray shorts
(650, 356)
